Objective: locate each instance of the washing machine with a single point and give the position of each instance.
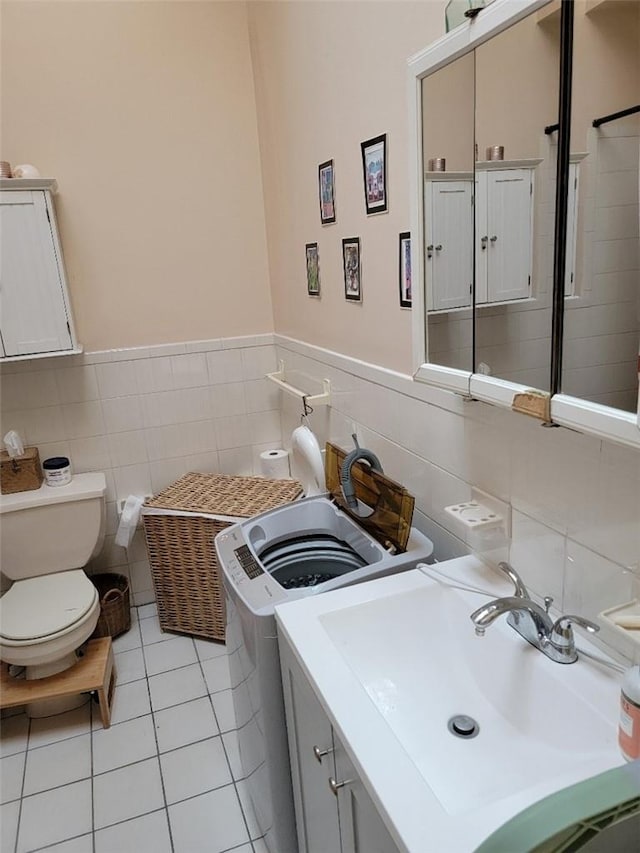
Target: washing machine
(308, 547)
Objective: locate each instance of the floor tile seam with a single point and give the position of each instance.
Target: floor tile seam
(59, 740)
(202, 793)
(93, 806)
(191, 743)
(56, 787)
(242, 809)
(55, 843)
(178, 704)
(162, 809)
(171, 669)
(155, 735)
(24, 776)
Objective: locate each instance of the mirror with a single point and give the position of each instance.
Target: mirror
(489, 215)
(516, 97)
(448, 155)
(495, 85)
(602, 303)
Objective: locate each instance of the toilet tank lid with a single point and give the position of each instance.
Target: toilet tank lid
(81, 487)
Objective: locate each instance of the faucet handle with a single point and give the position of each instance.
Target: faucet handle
(563, 625)
(562, 637)
(514, 577)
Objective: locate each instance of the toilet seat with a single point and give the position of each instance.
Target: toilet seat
(41, 609)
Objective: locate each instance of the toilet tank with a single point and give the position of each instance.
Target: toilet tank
(53, 528)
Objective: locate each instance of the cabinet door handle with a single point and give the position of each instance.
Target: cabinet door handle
(494, 238)
(320, 753)
(439, 247)
(336, 785)
(483, 242)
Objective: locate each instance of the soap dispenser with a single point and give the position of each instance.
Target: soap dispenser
(629, 727)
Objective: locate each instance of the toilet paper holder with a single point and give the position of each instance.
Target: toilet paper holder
(120, 505)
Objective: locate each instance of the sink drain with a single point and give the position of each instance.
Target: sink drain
(463, 726)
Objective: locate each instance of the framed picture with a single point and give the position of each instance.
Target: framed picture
(351, 266)
(374, 167)
(326, 190)
(404, 269)
(313, 269)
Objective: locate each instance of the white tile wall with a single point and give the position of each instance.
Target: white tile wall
(575, 499)
(146, 416)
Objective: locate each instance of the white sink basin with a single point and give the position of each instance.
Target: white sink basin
(418, 658)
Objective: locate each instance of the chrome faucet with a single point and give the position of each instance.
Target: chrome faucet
(555, 639)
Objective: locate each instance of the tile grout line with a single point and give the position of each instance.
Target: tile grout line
(93, 808)
(24, 778)
(155, 735)
(226, 754)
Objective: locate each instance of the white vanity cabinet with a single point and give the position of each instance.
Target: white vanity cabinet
(334, 812)
(504, 234)
(35, 312)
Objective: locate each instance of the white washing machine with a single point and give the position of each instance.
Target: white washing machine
(305, 548)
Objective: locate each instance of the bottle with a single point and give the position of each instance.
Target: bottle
(629, 727)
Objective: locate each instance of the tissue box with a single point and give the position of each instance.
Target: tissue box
(21, 474)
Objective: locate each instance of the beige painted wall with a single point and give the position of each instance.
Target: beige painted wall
(145, 113)
(328, 76)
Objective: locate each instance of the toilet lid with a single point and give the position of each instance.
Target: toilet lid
(39, 607)
(307, 461)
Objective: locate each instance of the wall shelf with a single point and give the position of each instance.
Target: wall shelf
(308, 399)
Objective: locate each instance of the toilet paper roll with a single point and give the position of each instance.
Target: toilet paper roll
(275, 464)
(129, 520)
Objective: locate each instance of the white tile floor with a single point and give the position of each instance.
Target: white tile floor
(165, 778)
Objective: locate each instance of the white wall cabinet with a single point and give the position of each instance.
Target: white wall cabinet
(504, 234)
(334, 811)
(449, 241)
(35, 312)
(502, 229)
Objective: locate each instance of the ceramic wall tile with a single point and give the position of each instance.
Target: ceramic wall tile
(77, 384)
(225, 366)
(229, 399)
(553, 473)
(117, 379)
(82, 420)
(122, 414)
(29, 390)
(258, 361)
(593, 583)
(537, 553)
(127, 448)
(611, 523)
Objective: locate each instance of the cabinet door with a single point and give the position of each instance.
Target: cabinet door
(309, 731)
(449, 246)
(362, 830)
(509, 207)
(32, 300)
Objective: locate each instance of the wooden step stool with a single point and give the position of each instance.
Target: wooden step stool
(95, 671)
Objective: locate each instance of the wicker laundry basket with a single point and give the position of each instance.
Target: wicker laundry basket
(180, 525)
(115, 609)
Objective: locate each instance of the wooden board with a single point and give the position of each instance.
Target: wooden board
(94, 671)
(390, 523)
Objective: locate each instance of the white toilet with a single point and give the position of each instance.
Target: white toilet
(47, 536)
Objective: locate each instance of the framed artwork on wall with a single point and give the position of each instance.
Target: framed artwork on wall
(326, 190)
(313, 269)
(351, 266)
(374, 168)
(404, 269)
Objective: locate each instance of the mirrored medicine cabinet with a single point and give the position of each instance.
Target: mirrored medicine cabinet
(525, 152)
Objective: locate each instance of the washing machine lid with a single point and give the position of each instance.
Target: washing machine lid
(307, 459)
(39, 607)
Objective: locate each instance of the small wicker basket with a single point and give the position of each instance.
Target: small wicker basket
(180, 525)
(115, 610)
